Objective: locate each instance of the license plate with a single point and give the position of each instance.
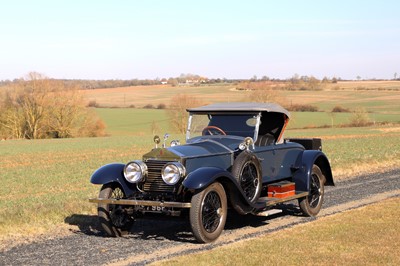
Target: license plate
(156, 209)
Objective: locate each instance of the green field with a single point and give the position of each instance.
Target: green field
(130, 121)
(379, 98)
(46, 181)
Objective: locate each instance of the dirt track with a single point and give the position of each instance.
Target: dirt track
(154, 239)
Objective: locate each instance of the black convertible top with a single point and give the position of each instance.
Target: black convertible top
(240, 107)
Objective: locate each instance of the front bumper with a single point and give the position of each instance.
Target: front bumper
(168, 204)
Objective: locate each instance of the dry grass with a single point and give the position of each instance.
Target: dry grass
(365, 236)
(380, 96)
(365, 168)
(140, 96)
(369, 84)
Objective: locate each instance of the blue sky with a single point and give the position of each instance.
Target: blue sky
(124, 39)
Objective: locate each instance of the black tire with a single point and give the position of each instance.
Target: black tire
(311, 205)
(208, 213)
(113, 218)
(247, 171)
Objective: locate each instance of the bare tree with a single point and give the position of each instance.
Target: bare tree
(66, 106)
(177, 111)
(11, 119)
(38, 107)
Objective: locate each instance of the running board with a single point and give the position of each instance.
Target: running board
(270, 201)
(268, 212)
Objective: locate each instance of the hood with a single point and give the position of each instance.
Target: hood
(197, 147)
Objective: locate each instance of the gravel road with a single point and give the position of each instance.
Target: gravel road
(155, 239)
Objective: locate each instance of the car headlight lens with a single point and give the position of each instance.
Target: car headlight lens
(135, 171)
(173, 172)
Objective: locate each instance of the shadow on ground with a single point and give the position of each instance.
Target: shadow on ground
(161, 227)
(146, 228)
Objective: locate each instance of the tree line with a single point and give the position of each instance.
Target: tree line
(193, 79)
(294, 82)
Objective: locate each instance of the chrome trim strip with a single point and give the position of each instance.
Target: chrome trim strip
(189, 125)
(169, 204)
(257, 128)
(208, 155)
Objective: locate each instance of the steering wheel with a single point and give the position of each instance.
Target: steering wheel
(210, 128)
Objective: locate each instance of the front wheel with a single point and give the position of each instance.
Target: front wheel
(113, 218)
(311, 205)
(208, 213)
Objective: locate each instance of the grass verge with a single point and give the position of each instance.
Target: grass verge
(365, 236)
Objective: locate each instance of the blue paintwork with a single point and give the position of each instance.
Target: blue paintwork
(111, 173)
(222, 161)
(304, 166)
(208, 151)
(277, 160)
(202, 177)
(207, 145)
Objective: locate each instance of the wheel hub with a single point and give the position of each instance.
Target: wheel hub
(219, 212)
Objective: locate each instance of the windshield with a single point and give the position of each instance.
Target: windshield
(242, 125)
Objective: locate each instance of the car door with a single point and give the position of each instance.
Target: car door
(276, 160)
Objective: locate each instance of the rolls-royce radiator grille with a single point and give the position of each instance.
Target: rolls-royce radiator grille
(154, 181)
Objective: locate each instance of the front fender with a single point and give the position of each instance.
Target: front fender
(304, 166)
(111, 173)
(202, 177)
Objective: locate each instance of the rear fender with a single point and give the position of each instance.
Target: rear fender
(111, 173)
(304, 166)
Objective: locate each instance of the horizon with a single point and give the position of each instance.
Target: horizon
(100, 40)
(222, 79)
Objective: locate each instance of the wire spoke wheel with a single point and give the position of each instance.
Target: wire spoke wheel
(249, 180)
(113, 218)
(311, 205)
(315, 191)
(208, 213)
(211, 212)
(247, 171)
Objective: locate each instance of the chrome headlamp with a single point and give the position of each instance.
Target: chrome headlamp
(245, 145)
(175, 143)
(135, 171)
(173, 172)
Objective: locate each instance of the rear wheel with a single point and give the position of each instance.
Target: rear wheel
(208, 213)
(311, 205)
(114, 219)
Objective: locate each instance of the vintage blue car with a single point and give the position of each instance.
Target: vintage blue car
(235, 158)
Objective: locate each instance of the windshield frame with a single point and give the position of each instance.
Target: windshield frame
(256, 114)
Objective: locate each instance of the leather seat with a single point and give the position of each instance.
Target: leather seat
(265, 140)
